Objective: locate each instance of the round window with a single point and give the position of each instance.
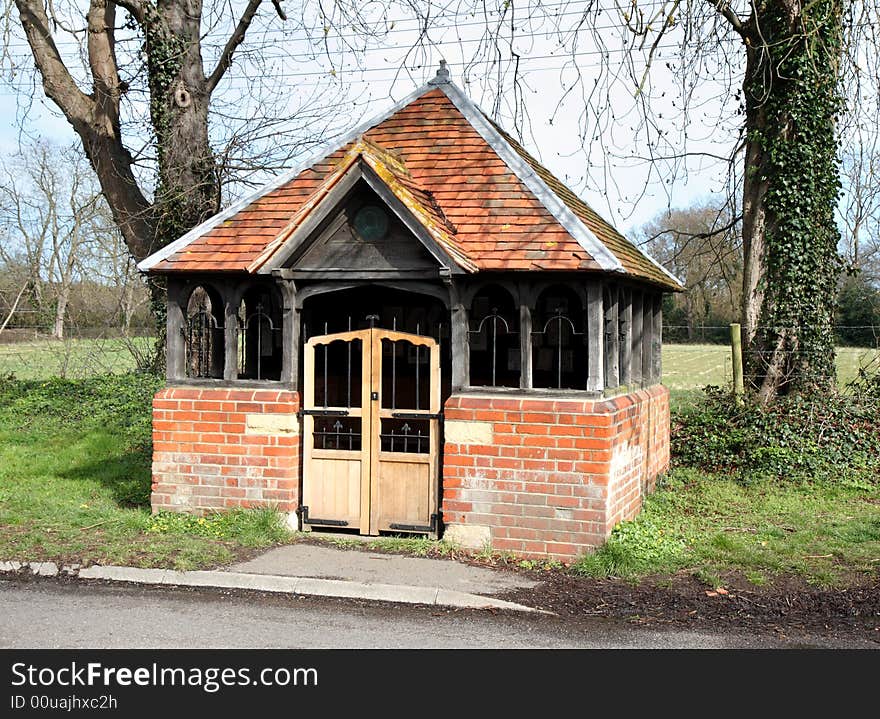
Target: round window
(371, 223)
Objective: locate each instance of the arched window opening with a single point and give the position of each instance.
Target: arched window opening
(260, 347)
(494, 339)
(559, 341)
(203, 334)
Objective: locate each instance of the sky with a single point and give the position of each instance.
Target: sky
(604, 168)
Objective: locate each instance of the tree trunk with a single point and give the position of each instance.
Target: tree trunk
(61, 312)
(188, 191)
(789, 196)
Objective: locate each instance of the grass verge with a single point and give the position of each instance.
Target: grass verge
(75, 482)
(712, 525)
(75, 478)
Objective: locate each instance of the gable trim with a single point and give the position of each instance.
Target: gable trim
(272, 258)
(359, 170)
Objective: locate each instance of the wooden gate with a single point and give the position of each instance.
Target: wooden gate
(371, 426)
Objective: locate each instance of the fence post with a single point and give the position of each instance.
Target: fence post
(736, 348)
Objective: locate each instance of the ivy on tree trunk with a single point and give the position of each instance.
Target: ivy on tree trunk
(791, 188)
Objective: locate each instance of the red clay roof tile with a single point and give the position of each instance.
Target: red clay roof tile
(491, 219)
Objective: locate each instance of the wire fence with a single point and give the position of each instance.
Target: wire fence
(845, 335)
(30, 353)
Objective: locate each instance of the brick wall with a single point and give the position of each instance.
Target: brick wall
(217, 448)
(549, 477)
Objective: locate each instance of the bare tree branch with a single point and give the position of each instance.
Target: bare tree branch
(134, 7)
(58, 83)
(739, 25)
(235, 40)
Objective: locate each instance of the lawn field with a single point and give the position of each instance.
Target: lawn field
(74, 358)
(685, 367)
(688, 367)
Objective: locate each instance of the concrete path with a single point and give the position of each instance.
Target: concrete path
(309, 560)
(322, 572)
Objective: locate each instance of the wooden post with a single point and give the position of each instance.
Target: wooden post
(736, 349)
(612, 337)
(647, 339)
(175, 325)
(595, 338)
(290, 334)
(637, 329)
(525, 342)
(625, 327)
(460, 349)
(657, 367)
(230, 335)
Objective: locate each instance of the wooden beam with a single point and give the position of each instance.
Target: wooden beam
(348, 274)
(525, 345)
(625, 335)
(636, 376)
(290, 334)
(175, 325)
(612, 337)
(595, 338)
(657, 373)
(647, 338)
(230, 333)
(460, 349)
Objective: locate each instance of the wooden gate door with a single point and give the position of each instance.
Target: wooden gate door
(371, 426)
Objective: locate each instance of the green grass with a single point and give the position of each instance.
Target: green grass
(711, 525)
(75, 358)
(75, 482)
(75, 478)
(690, 367)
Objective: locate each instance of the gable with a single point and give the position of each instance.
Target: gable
(338, 246)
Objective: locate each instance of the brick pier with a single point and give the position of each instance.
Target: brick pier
(549, 477)
(218, 448)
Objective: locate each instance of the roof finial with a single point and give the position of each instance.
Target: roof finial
(442, 76)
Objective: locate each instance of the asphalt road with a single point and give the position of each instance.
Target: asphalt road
(55, 614)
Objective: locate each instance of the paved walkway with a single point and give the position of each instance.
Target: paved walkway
(351, 565)
(323, 571)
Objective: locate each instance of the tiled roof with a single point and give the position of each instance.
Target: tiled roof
(395, 176)
(482, 197)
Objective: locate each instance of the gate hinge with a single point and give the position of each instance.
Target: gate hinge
(323, 413)
(303, 511)
(418, 527)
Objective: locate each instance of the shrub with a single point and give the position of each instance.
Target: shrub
(802, 438)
